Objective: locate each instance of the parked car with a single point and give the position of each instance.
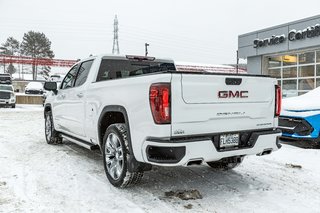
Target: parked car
(5, 79)
(300, 119)
(140, 111)
(7, 96)
(34, 88)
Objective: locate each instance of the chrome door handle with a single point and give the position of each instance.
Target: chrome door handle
(80, 95)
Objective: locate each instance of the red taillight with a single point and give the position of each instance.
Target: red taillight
(278, 101)
(160, 99)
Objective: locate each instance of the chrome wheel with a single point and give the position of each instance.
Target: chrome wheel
(114, 156)
(48, 128)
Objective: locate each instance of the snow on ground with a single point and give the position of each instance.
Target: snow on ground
(36, 177)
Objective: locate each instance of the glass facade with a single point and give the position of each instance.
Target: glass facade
(296, 73)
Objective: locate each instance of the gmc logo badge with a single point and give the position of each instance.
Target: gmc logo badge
(231, 94)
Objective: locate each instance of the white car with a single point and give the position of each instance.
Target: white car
(34, 88)
(140, 111)
(7, 96)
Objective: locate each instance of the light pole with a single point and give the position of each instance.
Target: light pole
(146, 48)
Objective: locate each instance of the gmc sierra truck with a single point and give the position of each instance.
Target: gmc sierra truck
(140, 111)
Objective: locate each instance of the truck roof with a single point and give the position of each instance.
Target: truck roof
(127, 57)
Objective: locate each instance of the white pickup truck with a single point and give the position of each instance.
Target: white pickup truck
(139, 111)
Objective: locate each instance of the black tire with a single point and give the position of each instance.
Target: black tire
(13, 106)
(226, 163)
(116, 155)
(52, 136)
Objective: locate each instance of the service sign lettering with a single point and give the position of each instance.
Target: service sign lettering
(293, 35)
(269, 41)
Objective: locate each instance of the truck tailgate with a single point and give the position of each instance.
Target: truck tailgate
(206, 104)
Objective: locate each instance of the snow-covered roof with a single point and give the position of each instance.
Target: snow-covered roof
(199, 67)
(305, 102)
(34, 85)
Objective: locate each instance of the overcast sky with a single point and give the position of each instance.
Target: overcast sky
(204, 31)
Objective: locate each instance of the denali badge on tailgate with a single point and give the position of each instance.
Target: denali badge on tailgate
(233, 94)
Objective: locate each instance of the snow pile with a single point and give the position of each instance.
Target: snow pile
(23, 108)
(306, 102)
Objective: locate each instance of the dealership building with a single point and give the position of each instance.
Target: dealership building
(289, 52)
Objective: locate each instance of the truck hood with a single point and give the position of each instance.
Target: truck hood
(33, 88)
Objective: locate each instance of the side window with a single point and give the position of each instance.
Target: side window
(113, 69)
(105, 70)
(83, 73)
(68, 81)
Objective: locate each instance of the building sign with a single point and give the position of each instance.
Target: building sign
(269, 41)
(293, 35)
(309, 32)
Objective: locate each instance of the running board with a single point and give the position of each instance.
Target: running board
(80, 142)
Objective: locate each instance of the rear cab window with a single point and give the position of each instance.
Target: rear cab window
(122, 68)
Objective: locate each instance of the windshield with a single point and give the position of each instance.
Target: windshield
(6, 87)
(5, 77)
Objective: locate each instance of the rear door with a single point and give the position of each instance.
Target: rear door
(205, 104)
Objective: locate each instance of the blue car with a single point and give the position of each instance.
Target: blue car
(300, 120)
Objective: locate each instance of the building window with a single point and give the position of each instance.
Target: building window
(306, 71)
(306, 58)
(276, 73)
(306, 84)
(297, 73)
(318, 70)
(290, 72)
(289, 84)
(318, 82)
(274, 61)
(318, 57)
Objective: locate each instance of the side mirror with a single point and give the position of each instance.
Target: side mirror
(51, 86)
